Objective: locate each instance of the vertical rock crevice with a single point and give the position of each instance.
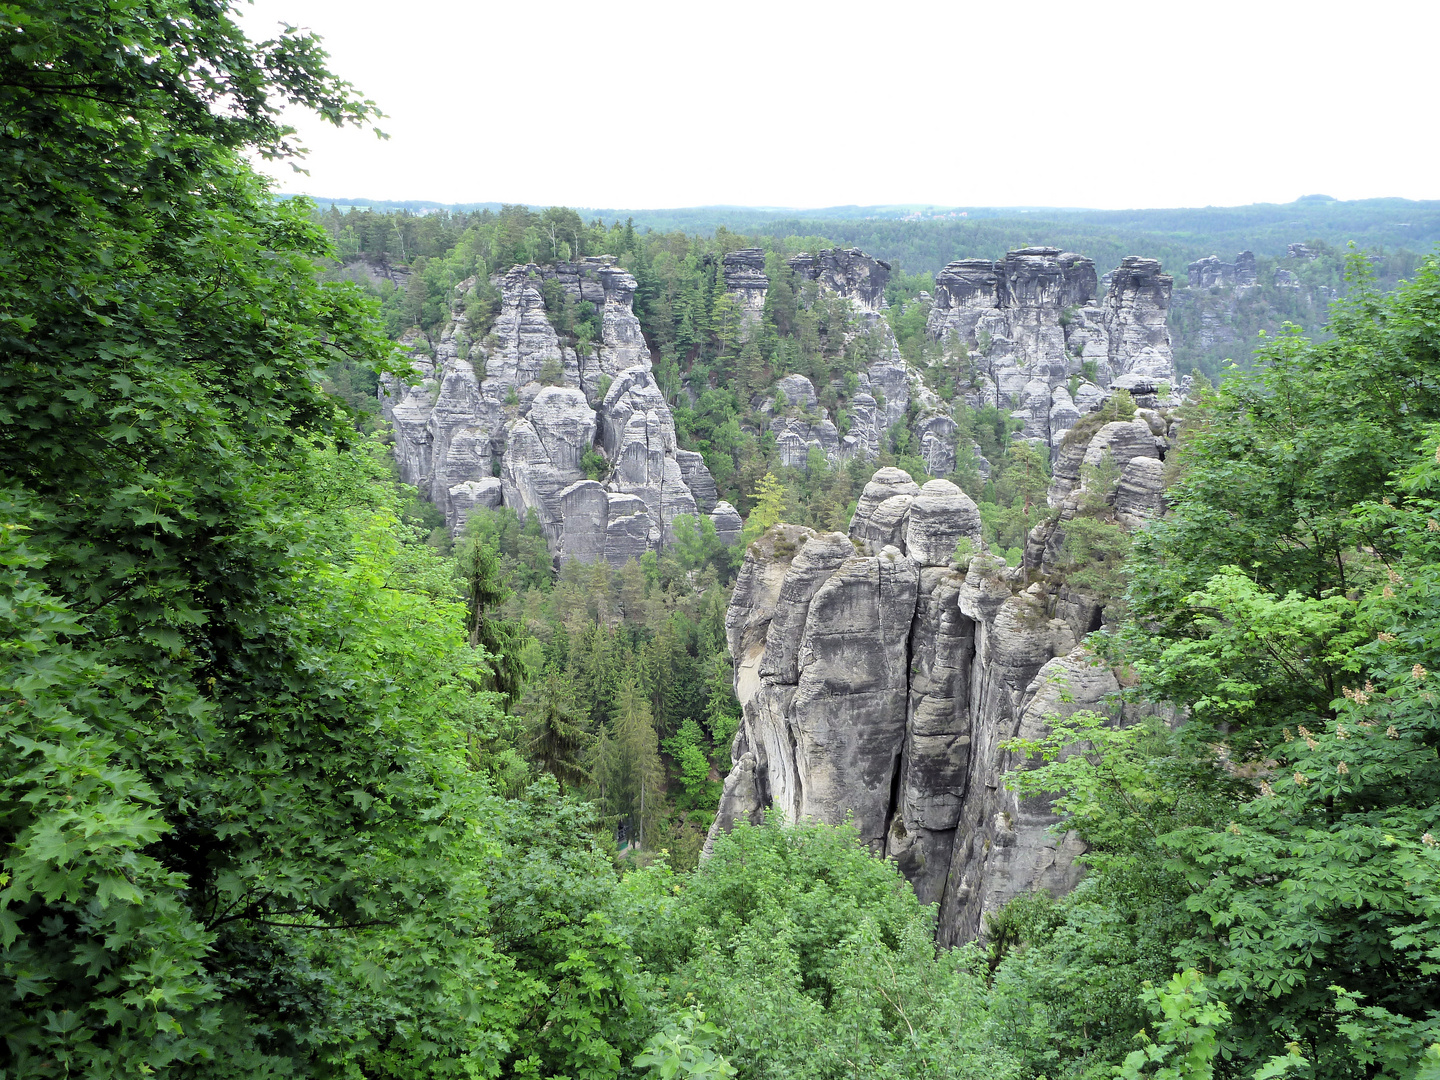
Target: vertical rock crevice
(881, 679)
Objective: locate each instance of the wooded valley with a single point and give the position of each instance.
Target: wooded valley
(338, 744)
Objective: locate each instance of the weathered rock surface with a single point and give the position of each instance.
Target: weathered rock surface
(477, 427)
(881, 512)
(1003, 844)
(1035, 320)
(1140, 491)
(727, 521)
(466, 497)
(542, 454)
(747, 283)
(941, 515)
(1136, 307)
(880, 680)
(1210, 271)
(698, 479)
(846, 272)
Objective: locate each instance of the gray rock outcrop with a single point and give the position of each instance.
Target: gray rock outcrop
(477, 427)
(1036, 329)
(727, 521)
(747, 283)
(882, 673)
(1210, 271)
(846, 272)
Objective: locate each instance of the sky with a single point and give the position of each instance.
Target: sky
(778, 103)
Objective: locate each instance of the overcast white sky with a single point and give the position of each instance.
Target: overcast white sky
(813, 104)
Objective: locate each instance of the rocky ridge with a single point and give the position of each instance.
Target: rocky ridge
(881, 672)
(585, 439)
(478, 426)
(508, 419)
(1043, 342)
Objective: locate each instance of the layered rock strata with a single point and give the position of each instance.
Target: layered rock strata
(846, 272)
(1033, 324)
(1210, 271)
(476, 425)
(747, 283)
(882, 672)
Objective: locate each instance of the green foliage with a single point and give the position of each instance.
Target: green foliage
(685, 1049)
(1303, 664)
(814, 959)
(627, 767)
(688, 748)
(1272, 463)
(595, 464)
(264, 812)
(1187, 1017)
(769, 509)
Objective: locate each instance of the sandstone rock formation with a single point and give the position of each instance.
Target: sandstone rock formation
(846, 272)
(1210, 271)
(747, 283)
(515, 409)
(476, 426)
(1034, 321)
(881, 673)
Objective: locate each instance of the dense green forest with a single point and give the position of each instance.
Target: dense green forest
(293, 789)
(923, 239)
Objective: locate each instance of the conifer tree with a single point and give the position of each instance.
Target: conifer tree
(749, 371)
(558, 741)
(629, 766)
(770, 497)
(484, 592)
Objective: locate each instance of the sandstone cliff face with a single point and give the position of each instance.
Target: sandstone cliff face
(475, 426)
(747, 284)
(1210, 271)
(1034, 320)
(880, 679)
(846, 272)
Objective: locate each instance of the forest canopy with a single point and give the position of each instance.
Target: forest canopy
(295, 787)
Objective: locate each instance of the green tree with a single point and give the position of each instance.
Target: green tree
(687, 747)
(558, 741)
(485, 591)
(232, 683)
(629, 768)
(770, 500)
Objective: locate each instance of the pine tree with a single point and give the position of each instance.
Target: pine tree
(636, 775)
(502, 641)
(749, 372)
(558, 741)
(769, 508)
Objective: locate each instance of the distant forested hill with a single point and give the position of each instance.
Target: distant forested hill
(1210, 323)
(922, 239)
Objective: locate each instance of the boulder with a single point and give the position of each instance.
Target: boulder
(879, 518)
(728, 523)
(796, 391)
(940, 516)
